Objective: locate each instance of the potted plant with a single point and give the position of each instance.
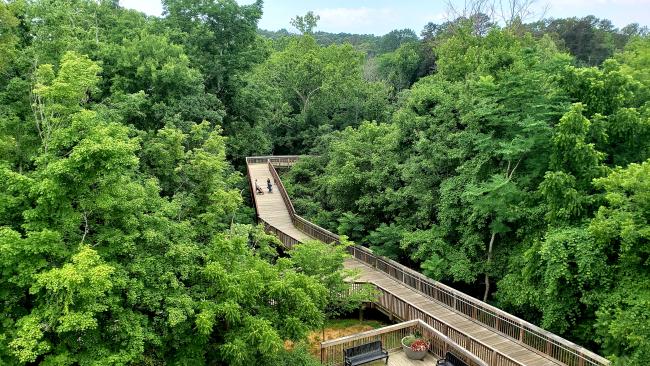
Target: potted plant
(415, 347)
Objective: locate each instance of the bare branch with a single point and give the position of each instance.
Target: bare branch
(506, 12)
(514, 169)
(86, 228)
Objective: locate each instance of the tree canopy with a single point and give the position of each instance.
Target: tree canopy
(511, 162)
(496, 174)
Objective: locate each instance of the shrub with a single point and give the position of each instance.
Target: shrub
(408, 340)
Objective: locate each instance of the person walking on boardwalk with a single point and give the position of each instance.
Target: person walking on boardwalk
(268, 184)
(257, 188)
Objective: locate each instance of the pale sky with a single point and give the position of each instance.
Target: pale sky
(381, 16)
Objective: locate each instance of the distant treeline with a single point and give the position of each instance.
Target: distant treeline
(590, 39)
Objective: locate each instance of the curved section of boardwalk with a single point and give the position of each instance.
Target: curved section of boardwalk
(497, 338)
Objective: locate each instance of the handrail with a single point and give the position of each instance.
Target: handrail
(539, 340)
(281, 189)
(278, 159)
(405, 310)
(313, 230)
(286, 239)
(352, 337)
(252, 189)
(434, 337)
(525, 333)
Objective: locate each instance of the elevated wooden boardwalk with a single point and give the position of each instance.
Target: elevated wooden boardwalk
(466, 325)
(270, 206)
(493, 336)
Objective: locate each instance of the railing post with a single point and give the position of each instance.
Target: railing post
(534, 339)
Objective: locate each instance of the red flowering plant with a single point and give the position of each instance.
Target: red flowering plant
(415, 342)
(419, 345)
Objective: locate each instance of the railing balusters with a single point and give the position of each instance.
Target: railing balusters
(332, 351)
(506, 324)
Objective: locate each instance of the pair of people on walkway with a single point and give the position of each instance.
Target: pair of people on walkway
(268, 185)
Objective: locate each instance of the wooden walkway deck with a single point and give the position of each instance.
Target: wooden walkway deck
(398, 358)
(483, 334)
(496, 348)
(270, 206)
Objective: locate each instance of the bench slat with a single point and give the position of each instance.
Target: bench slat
(364, 353)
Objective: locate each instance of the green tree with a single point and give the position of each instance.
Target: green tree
(304, 88)
(621, 232)
(305, 24)
(101, 265)
(635, 60)
(58, 96)
(589, 39)
(220, 37)
(575, 163)
(324, 263)
(149, 70)
(8, 37)
(400, 68)
(392, 40)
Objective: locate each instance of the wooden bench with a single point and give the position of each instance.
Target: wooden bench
(365, 353)
(450, 360)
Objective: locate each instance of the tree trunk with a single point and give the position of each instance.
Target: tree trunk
(488, 262)
(487, 287)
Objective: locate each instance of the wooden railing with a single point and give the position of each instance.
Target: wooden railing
(280, 187)
(251, 186)
(286, 239)
(391, 338)
(533, 337)
(300, 223)
(404, 310)
(313, 230)
(331, 352)
(525, 333)
(276, 160)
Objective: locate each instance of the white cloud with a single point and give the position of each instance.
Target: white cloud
(352, 18)
(149, 7)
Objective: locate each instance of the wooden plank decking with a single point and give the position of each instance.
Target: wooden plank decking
(399, 359)
(270, 206)
(273, 210)
(476, 330)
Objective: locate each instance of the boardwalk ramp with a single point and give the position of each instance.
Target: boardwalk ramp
(492, 335)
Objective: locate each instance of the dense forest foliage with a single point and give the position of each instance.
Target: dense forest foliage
(512, 162)
(513, 171)
(124, 235)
